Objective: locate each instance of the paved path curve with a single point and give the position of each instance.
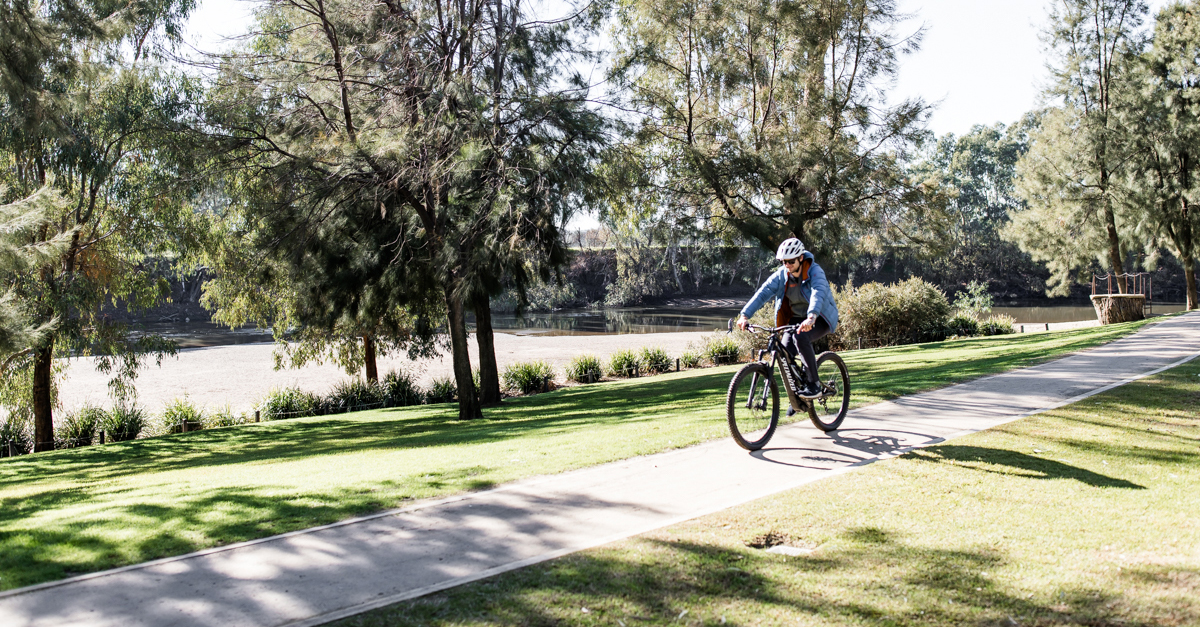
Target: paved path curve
(321, 574)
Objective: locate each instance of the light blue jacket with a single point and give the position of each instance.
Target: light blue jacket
(816, 288)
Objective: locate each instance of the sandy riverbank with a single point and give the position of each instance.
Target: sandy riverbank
(240, 375)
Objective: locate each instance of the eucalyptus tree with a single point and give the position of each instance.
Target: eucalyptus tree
(1160, 114)
(1070, 177)
(80, 117)
(770, 118)
(410, 150)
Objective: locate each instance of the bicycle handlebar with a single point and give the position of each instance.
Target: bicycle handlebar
(754, 328)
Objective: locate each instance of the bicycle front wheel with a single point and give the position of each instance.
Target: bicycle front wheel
(829, 410)
(752, 406)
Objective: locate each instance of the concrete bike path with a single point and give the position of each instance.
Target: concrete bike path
(321, 574)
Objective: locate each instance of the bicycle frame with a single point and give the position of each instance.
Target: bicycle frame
(776, 349)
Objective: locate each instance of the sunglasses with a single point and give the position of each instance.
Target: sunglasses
(792, 262)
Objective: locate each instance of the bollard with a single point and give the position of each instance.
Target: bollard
(636, 369)
(256, 415)
(102, 432)
(1047, 326)
(860, 342)
(183, 425)
(1022, 328)
(11, 450)
(676, 364)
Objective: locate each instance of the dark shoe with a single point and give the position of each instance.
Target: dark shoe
(809, 390)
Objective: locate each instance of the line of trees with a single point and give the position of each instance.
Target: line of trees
(359, 176)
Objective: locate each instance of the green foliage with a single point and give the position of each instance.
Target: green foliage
(733, 139)
(885, 315)
(79, 428)
(690, 359)
(223, 417)
(125, 422)
(721, 348)
(354, 395)
(962, 325)
(17, 429)
(529, 377)
(585, 369)
(975, 301)
(178, 411)
(655, 360)
(623, 363)
(291, 402)
(441, 390)
(400, 389)
(997, 324)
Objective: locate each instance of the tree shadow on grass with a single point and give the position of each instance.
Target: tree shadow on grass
(870, 577)
(570, 410)
(1017, 463)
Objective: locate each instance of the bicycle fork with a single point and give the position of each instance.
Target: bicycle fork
(789, 382)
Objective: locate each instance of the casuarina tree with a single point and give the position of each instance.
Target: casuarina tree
(402, 151)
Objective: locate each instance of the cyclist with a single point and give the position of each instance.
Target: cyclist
(802, 296)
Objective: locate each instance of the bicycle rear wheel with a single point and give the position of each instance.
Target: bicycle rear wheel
(829, 410)
(752, 406)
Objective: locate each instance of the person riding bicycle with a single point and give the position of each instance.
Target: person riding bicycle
(802, 296)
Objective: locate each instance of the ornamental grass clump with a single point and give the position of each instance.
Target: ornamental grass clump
(178, 412)
(223, 417)
(998, 324)
(962, 325)
(528, 377)
(585, 369)
(721, 348)
(655, 360)
(125, 422)
(442, 390)
(400, 389)
(78, 428)
(623, 363)
(17, 430)
(690, 359)
(354, 395)
(908, 312)
(283, 403)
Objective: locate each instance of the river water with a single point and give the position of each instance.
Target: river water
(606, 322)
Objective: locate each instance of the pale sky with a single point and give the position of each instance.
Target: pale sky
(981, 60)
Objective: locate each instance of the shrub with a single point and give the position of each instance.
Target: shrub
(78, 428)
(998, 324)
(721, 348)
(884, 315)
(962, 325)
(585, 369)
(124, 422)
(400, 389)
(224, 417)
(655, 360)
(354, 395)
(280, 404)
(690, 359)
(623, 363)
(177, 411)
(974, 301)
(17, 429)
(528, 377)
(442, 390)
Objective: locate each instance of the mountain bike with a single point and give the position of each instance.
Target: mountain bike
(752, 404)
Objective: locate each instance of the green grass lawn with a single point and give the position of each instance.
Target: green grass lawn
(1087, 515)
(82, 510)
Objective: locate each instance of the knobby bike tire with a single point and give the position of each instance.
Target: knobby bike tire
(829, 410)
(752, 406)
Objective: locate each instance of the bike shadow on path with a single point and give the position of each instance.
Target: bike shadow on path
(844, 447)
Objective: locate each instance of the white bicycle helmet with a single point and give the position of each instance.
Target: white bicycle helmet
(789, 249)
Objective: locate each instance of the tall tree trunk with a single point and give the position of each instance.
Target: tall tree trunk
(468, 402)
(1114, 244)
(489, 372)
(369, 358)
(43, 419)
(1189, 277)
